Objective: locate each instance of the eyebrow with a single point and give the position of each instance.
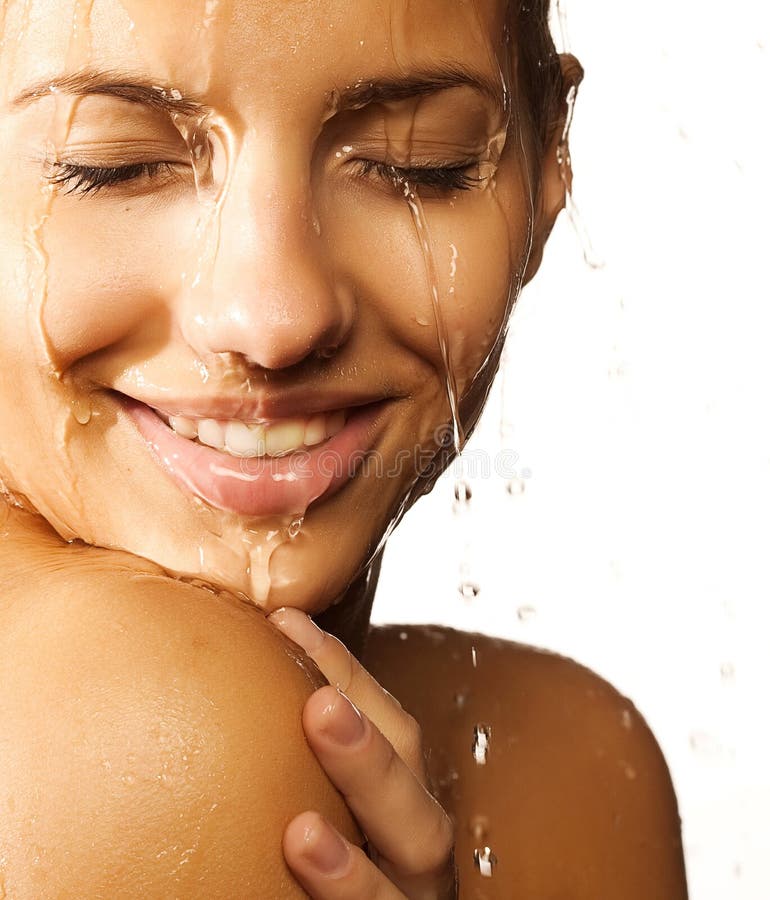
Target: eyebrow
(420, 84)
(122, 85)
(164, 98)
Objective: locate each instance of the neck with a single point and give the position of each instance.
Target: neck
(348, 619)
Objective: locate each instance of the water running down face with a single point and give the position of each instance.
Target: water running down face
(237, 223)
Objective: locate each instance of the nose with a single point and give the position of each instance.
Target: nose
(271, 293)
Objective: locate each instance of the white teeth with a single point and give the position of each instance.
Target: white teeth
(186, 427)
(211, 433)
(245, 440)
(315, 430)
(284, 436)
(272, 439)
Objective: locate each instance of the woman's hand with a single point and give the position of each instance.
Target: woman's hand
(376, 761)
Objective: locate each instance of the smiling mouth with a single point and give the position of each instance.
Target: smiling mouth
(259, 468)
(246, 440)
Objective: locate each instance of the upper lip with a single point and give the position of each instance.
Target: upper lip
(255, 407)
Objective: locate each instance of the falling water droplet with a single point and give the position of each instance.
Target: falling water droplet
(469, 590)
(485, 861)
(727, 670)
(525, 613)
(295, 527)
(463, 492)
(482, 735)
(516, 487)
(479, 828)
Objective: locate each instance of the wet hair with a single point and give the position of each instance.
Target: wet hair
(539, 77)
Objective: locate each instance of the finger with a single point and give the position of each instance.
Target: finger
(398, 815)
(330, 868)
(344, 671)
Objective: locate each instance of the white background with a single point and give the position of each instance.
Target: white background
(636, 400)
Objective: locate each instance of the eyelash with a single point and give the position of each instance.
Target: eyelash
(86, 180)
(92, 179)
(447, 178)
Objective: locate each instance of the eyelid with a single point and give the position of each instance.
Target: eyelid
(127, 153)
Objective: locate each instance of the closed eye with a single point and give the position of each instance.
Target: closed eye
(441, 178)
(84, 180)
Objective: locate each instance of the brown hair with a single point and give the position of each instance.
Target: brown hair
(541, 84)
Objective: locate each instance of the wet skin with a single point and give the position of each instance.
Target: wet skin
(308, 285)
(265, 293)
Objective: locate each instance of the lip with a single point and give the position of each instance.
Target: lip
(259, 486)
(259, 408)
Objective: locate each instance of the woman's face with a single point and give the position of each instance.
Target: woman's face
(228, 219)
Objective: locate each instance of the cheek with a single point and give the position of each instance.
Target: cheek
(127, 261)
(474, 252)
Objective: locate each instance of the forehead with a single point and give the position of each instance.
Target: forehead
(244, 49)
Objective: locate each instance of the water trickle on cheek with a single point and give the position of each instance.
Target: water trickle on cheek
(65, 406)
(420, 221)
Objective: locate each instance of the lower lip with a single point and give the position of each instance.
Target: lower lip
(259, 486)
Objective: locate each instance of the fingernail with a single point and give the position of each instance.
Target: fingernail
(342, 722)
(298, 627)
(325, 849)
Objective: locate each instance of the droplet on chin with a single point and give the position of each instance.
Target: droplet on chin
(295, 526)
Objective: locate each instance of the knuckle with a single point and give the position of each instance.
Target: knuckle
(433, 852)
(409, 744)
(440, 845)
(411, 735)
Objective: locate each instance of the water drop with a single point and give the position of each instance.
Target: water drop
(708, 746)
(463, 492)
(525, 613)
(474, 658)
(459, 699)
(485, 861)
(727, 671)
(482, 735)
(630, 772)
(450, 778)
(479, 828)
(516, 487)
(626, 720)
(469, 590)
(81, 410)
(295, 527)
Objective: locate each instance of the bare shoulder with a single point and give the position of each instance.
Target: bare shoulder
(574, 798)
(150, 738)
